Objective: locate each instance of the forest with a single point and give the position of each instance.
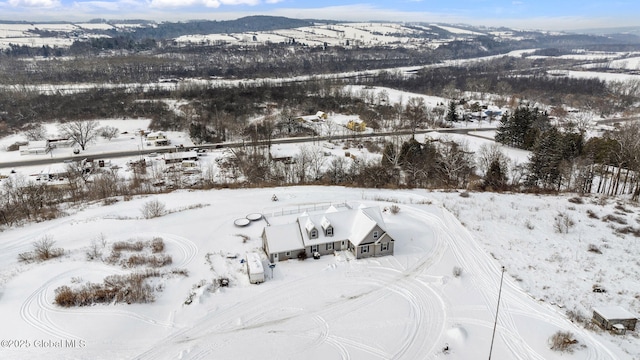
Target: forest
(261, 100)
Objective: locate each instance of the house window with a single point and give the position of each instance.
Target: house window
(288, 253)
(314, 234)
(314, 248)
(364, 249)
(330, 246)
(329, 231)
(375, 235)
(385, 246)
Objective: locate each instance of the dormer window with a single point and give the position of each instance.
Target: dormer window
(326, 226)
(313, 234)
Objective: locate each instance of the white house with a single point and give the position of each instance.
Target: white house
(361, 231)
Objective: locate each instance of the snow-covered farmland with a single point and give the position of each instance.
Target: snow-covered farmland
(410, 305)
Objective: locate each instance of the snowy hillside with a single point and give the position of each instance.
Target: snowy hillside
(407, 306)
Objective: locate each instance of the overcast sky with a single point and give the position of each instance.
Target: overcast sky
(531, 14)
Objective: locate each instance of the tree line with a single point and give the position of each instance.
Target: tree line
(563, 159)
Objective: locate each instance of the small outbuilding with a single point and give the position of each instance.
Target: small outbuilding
(614, 318)
(35, 148)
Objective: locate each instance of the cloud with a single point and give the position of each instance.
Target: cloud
(35, 3)
(206, 3)
(97, 5)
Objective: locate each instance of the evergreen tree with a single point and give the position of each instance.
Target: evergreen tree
(452, 115)
(389, 156)
(522, 128)
(545, 161)
(495, 178)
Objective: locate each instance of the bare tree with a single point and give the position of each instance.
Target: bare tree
(108, 132)
(80, 132)
(36, 132)
(416, 113)
(44, 248)
(153, 209)
(456, 162)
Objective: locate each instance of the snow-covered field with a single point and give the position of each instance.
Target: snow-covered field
(405, 306)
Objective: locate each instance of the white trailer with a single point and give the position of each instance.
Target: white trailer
(254, 268)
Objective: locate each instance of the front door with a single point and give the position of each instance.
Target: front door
(275, 257)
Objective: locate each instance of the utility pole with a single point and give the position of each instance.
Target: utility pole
(497, 308)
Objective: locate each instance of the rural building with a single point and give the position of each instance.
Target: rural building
(179, 157)
(157, 139)
(356, 125)
(361, 231)
(614, 318)
(35, 148)
(319, 116)
(255, 268)
(51, 172)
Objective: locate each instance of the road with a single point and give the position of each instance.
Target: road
(119, 154)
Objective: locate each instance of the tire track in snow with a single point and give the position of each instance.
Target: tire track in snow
(478, 262)
(36, 308)
(514, 301)
(39, 305)
(425, 307)
(187, 248)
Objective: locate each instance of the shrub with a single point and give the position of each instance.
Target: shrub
(153, 209)
(464, 194)
(576, 316)
(394, 209)
(43, 249)
(629, 230)
(563, 222)
(157, 245)
(457, 271)
(576, 200)
(153, 260)
(594, 249)
(127, 246)
(562, 341)
(529, 224)
(115, 288)
(64, 296)
(592, 214)
(617, 219)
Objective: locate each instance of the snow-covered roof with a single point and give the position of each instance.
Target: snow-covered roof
(325, 222)
(254, 262)
(308, 224)
(362, 225)
(283, 238)
(181, 155)
(341, 222)
(350, 225)
(614, 312)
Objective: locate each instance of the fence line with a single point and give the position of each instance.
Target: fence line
(301, 209)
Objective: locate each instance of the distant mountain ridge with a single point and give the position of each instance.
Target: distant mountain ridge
(168, 30)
